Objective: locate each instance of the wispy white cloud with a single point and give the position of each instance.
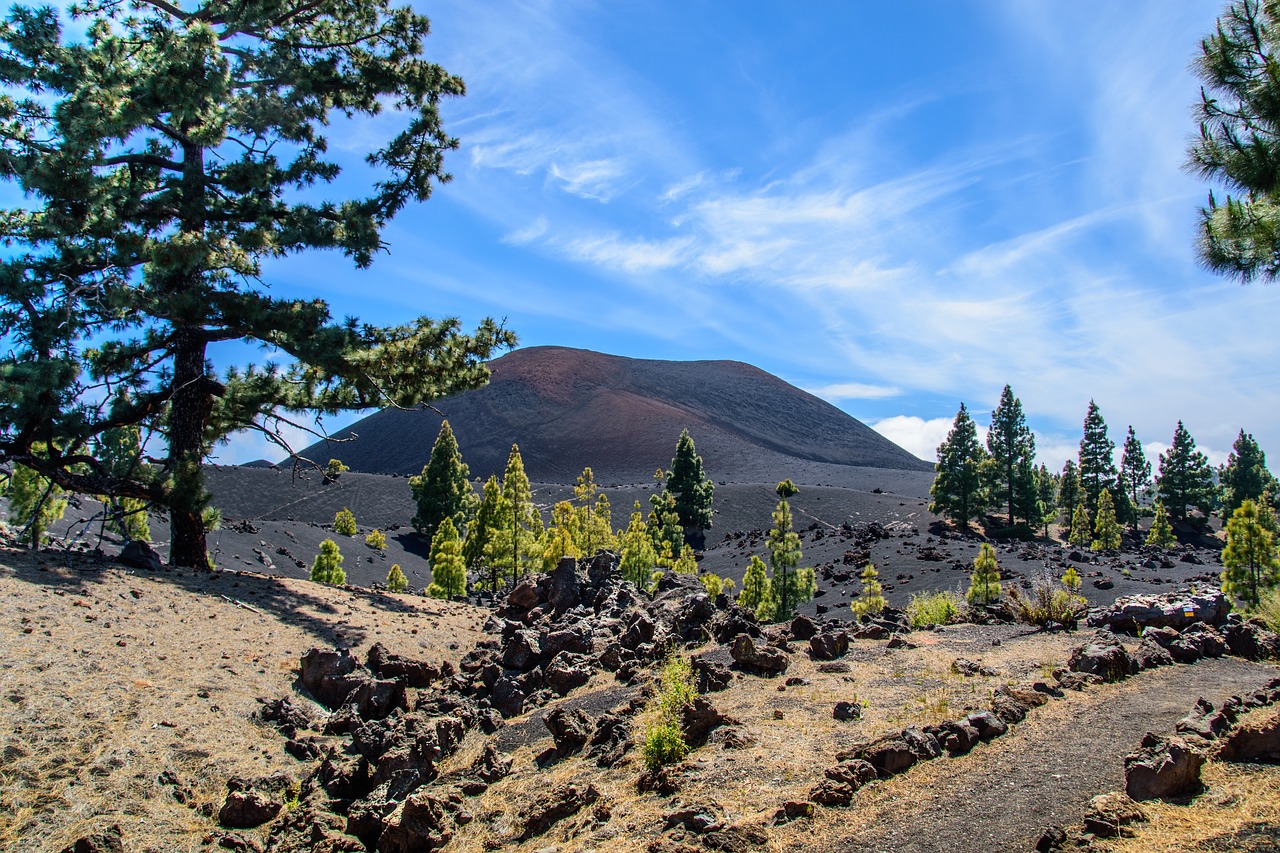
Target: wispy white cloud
(529, 233)
(854, 391)
(593, 179)
(631, 256)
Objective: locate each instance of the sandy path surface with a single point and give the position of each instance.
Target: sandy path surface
(1003, 794)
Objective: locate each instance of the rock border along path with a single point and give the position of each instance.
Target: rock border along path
(1002, 795)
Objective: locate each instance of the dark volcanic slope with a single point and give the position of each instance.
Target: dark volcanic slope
(571, 408)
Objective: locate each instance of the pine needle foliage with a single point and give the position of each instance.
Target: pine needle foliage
(35, 503)
(1161, 533)
(1081, 533)
(638, 558)
(1135, 475)
(1244, 477)
(1249, 560)
(1097, 459)
(871, 602)
(478, 548)
(1106, 528)
(443, 489)
(1237, 147)
(344, 523)
(691, 489)
(957, 491)
(1071, 579)
(1185, 482)
(164, 154)
(376, 539)
(757, 593)
(1012, 450)
(396, 580)
(984, 583)
(327, 568)
(448, 569)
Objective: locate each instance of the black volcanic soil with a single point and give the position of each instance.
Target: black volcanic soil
(569, 409)
(274, 523)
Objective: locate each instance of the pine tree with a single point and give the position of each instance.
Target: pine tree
(448, 570)
(334, 470)
(119, 450)
(871, 602)
(786, 489)
(1238, 111)
(1185, 481)
(1135, 474)
(561, 538)
(477, 549)
(691, 489)
(757, 593)
(35, 502)
(1047, 498)
(163, 152)
(1105, 527)
(344, 523)
(638, 559)
(517, 544)
(957, 489)
(594, 530)
(1161, 533)
(1245, 476)
(396, 581)
(1081, 527)
(327, 567)
(1249, 559)
(984, 583)
(1013, 449)
(1097, 459)
(686, 563)
(443, 489)
(790, 587)
(376, 539)
(1071, 579)
(1267, 511)
(664, 524)
(1069, 494)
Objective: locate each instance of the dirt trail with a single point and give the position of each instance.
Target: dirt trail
(1001, 796)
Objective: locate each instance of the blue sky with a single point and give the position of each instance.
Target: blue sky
(898, 207)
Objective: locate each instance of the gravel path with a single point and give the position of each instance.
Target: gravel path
(1002, 795)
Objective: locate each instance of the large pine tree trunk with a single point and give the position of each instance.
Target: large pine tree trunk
(190, 408)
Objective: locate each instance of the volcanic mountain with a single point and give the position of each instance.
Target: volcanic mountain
(571, 408)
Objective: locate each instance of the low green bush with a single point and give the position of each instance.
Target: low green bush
(1047, 605)
(664, 744)
(933, 608)
(1268, 609)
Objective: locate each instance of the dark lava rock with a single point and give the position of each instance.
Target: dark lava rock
(107, 841)
(764, 660)
(847, 711)
(803, 628)
(829, 646)
(140, 555)
(889, 755)
(553, 806)
(710, 676)
(1110, 815)
(330, 675)
(246, 809)
(1163, 767)
(420, 823)
(1103, 656)
(415, 673)
(566, 672)
(1256, 741)
(699, 718)
(569, 729)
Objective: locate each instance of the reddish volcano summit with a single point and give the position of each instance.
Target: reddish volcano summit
(570, 408)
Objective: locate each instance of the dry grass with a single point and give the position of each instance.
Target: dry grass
(1242, 801)
(113, 677)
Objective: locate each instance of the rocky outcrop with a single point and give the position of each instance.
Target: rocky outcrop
(760, 660)
(554, 806)
(1129, 614)
(1163, 767)
(1103, 656)
(1257, 741)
